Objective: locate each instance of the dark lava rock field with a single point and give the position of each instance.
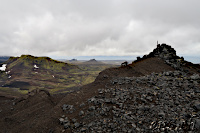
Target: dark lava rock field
(160, 102)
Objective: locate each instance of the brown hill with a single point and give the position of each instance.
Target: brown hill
(141, 68)
(31, 113)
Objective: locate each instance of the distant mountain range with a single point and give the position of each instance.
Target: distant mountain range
(4, 58)
(81, 62)
(193, 59)
(117, 60)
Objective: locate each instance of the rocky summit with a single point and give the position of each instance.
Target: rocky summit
(166, 53)
(159, 102)
(157, 93)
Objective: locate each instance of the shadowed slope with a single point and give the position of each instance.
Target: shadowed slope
(140, 68)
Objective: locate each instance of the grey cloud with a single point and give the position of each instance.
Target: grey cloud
(91, 27)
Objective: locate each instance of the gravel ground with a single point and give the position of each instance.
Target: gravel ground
(160, 102)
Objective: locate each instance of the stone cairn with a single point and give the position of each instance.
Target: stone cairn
(166, 53)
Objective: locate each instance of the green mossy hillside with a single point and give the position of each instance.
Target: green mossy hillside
(27, 72)
(29, 61)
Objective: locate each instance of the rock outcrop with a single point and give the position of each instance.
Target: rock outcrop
(164, 51)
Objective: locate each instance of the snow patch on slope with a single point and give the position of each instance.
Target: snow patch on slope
(35, 66)
(3, 68)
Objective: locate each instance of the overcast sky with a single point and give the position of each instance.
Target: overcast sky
(98, 27)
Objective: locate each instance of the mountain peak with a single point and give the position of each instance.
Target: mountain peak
(93, 60)
(24, 56)
(163, 51)
(167, 54)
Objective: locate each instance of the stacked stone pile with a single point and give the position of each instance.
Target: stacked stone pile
(160, 102)
(166, 53)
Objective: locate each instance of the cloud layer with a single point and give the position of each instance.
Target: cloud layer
(93, 27)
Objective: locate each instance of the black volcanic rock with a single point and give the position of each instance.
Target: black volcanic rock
(166, 53)
(162, 105)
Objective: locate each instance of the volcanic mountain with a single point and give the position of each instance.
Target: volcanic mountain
(158, 92)
(93, 62)
(30, 62)
(161, 59)
(27, 73)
